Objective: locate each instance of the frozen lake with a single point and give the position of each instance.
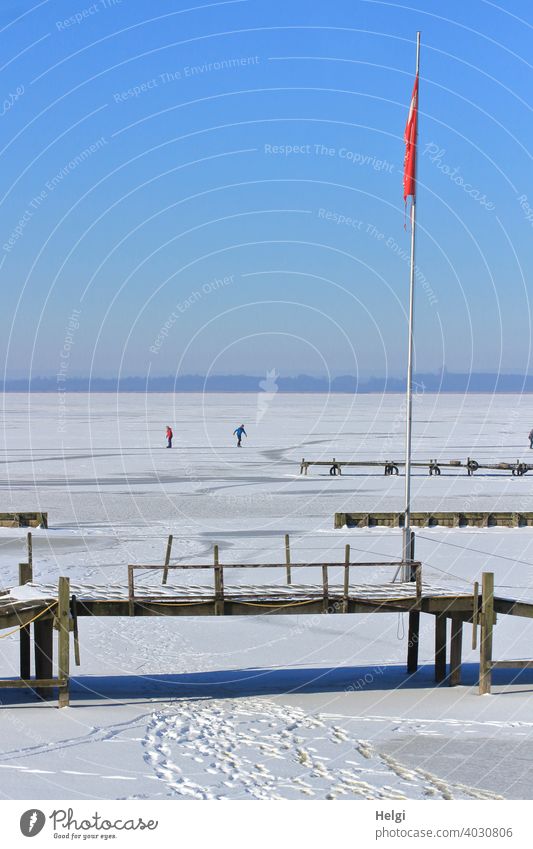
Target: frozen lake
(284, 707)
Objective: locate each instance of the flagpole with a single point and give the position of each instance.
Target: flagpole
(407, 553)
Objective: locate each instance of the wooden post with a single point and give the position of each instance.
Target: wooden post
(63, 650)
(30, 550)
(25, 577)
(74, 607)
(418, 579)
(167, 558)
(440, 647)
(475, 615)
(43, 640)
(288, 559)
(413, 637)
(131, 592)
(325, 587)
(25, 573)
(346, 596)
(487, 622)
(456, 645)
(219, 585)
(413, 629)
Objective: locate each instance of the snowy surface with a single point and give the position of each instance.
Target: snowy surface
(262, 707)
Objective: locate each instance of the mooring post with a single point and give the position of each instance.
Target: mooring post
(131, 592)
(487, 622)
(167, 558)
(346, 594)
(413, 638)
(219, 585)
(288, 558)
(440, 647)
(475, 614)
(74, 611)
(63, 649)
(418, 580)
(30, 549)
(413, 630)
(325, 587)
(456, 645)
(43, 644)
(25, 576)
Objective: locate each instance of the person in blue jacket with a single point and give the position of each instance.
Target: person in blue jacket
(239, 432)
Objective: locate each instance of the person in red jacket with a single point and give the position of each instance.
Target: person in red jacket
(169, 436)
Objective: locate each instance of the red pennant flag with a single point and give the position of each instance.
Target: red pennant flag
(409, 164)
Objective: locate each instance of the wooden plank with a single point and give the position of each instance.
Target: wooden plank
(167, 558)
(63, 621)
(15, 617)
(43, 644)
(513, 608)
(288, 558)
(487, 622)
(440, 647)
(312, 565)
(456, 644)
(32, 683)
(205, 606)
(447, 605)
(413, 638)
(512, 664)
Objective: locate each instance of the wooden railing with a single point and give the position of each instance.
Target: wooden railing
(415, 575)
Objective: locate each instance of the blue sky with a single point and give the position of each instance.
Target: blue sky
(218, 189)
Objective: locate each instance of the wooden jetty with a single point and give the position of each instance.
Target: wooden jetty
(449, 519)
(434, 467)
(45, 607)
(24, 520)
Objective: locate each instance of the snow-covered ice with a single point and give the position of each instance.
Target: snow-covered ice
(262, 707)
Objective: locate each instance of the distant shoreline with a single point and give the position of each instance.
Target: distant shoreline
(443, 382)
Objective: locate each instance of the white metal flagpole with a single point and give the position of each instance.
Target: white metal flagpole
(407, 553)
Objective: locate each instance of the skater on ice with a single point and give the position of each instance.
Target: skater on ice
(239, 433)
(169, 436)
(530, 437)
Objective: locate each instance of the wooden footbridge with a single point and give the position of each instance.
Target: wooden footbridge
(43, 608)
(436, 518)
(434, 467)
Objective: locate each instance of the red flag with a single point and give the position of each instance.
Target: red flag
(409, 163)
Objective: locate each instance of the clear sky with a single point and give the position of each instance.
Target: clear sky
(217, 187)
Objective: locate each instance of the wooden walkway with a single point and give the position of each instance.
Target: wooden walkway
(44, 607)
(431, 519)
(434, 467)
(24, 520)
